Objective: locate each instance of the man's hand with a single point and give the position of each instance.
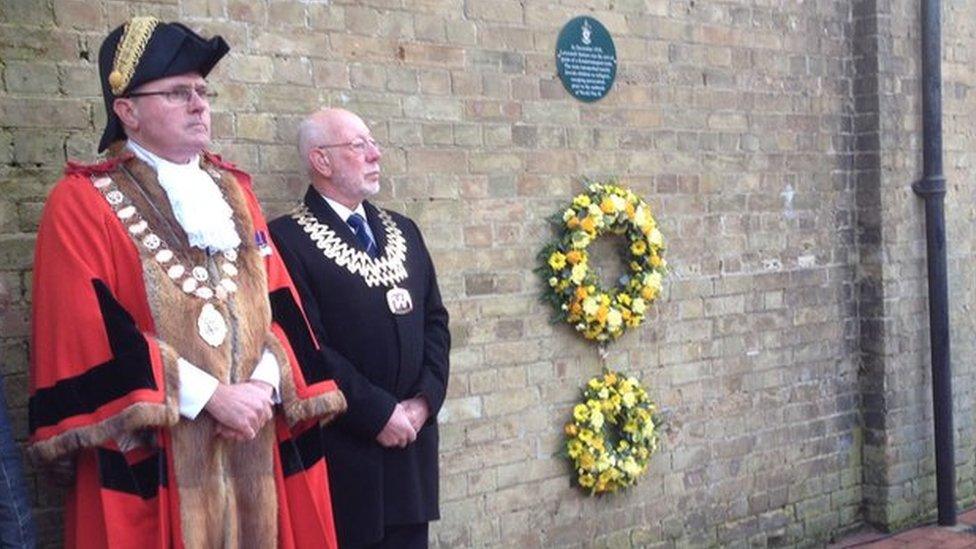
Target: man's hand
(417, 411)
(241, 409)
(398, 431)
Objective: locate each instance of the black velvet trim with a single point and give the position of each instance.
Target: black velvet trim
(289, 316)
(302, 452)
(142, 478)
(129, 369)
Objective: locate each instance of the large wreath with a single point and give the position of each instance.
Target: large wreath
(572, 287)
(612, 434)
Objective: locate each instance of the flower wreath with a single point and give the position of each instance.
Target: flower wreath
(612, 435)
(572, 287)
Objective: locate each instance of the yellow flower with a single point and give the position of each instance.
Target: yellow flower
(586, 436)
(656, 261)
(580, 413)
(608, 206)
(574, 448)
(595, 384)
(587, 480)
(648, 293)
(581, 201)
(587, 461)
(610, 378)
(638, 247)
(630, 467)
(557, 260)
(588, 224)
(602, 313)
(629, 399)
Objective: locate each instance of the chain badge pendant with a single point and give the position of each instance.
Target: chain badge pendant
(211, 325)
(399, 301)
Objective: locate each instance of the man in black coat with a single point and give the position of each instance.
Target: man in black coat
(369, 290)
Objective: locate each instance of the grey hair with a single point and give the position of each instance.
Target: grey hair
(312, 132)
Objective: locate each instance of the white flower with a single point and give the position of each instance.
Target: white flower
(619, 204)
(596, 419)
(638, 306)
(590, 306)
(578, 273)
(654, 280)
(614, 319)
(655, 239)
(581, 240)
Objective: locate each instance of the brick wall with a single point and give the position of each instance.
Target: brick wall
(899, 467)
(775, 140)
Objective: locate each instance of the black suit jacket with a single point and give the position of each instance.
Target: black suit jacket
(378, 359)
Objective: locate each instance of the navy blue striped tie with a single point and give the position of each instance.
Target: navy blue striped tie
(358, 225)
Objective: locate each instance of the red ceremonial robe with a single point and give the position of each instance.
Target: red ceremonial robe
(110, 321)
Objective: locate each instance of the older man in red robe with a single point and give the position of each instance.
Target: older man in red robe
(172, 370)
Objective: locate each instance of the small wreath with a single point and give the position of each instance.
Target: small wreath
(572, 287)
(612, 434)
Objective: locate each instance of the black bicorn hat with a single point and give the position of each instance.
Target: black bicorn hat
(145, 49)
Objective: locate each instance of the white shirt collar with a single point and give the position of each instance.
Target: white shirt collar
(343, 211)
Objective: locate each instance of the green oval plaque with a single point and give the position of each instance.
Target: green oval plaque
(586, 59)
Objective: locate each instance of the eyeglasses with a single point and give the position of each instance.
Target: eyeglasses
(180, 95)
(358, 145)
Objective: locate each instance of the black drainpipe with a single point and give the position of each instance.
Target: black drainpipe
(932, 189)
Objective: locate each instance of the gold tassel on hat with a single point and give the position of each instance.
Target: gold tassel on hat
(129, 51)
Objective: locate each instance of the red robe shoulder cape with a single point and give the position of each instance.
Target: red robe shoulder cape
(108, 328)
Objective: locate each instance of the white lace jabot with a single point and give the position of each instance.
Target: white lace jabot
(196, 200)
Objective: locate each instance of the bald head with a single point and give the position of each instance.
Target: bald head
(340, 154)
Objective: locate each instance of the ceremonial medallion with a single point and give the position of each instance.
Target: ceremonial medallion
(211, 325)
(399, 301)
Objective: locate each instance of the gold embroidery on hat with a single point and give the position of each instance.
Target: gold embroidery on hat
(129, 51)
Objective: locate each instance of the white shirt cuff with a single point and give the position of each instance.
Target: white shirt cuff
(268, 371)
(196, 388)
